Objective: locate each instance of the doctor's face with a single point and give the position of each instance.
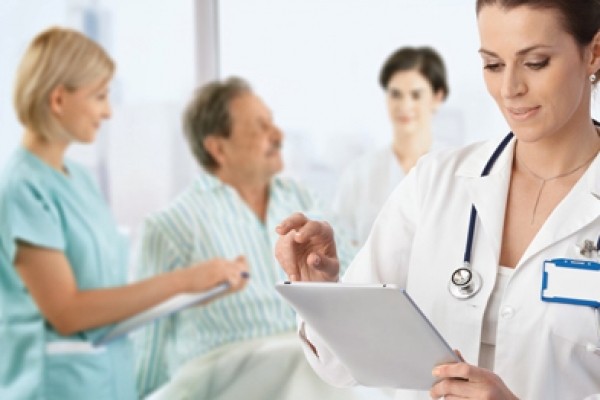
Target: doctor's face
(411, 102)
(534, 70)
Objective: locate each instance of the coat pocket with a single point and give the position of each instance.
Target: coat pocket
(573, 341)
(576, 324)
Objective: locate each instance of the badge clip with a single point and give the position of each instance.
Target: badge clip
(587, 249)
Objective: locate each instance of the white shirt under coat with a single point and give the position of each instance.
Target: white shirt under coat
(418, 240)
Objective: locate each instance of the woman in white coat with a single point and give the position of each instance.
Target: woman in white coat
(414, 80)
(540, 199)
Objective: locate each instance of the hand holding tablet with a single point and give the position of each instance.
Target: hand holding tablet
(376, 331)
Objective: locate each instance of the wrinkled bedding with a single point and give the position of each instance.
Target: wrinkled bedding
(271, 368)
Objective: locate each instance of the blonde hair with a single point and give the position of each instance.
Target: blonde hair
(56, 57)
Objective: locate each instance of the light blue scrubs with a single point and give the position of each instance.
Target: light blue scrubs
(41, 206)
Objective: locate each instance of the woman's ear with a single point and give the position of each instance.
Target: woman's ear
(215, 147)
(438, 99)
(57, 100)
(594, 64)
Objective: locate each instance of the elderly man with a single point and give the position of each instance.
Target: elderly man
(242, 345)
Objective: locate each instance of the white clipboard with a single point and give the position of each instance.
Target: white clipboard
(376, 331)
(164, 309)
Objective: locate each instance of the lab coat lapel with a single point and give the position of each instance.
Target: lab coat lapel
(577, 210)
(489, 193)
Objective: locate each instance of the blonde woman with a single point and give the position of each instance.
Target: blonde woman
(62, 261)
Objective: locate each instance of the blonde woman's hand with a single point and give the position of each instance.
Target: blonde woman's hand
(306, 250)
(208, 274)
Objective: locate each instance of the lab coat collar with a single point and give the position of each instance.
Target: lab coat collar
(473, 164)
(489, 195)
(578, 209)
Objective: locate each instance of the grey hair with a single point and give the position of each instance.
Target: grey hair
(207, 114)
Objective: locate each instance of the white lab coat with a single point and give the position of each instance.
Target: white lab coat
(418, 240)
(363, 190)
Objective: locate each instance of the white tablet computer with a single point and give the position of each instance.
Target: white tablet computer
(376, 331)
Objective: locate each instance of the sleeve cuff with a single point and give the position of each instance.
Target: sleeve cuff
(321, 359)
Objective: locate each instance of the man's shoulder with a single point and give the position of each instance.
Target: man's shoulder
(292, 196)
(291, 188)
(281, 182)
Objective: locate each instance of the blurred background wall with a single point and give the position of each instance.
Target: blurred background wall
(314, 62)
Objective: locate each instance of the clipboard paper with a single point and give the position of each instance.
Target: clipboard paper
(164, 309)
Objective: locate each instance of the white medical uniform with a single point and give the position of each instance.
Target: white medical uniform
(363, 189)
(418, 240)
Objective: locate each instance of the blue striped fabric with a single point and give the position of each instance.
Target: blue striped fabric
(210, 220)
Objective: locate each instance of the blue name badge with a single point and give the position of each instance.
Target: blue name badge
(574, 282)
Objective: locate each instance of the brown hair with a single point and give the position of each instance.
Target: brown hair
(580, 18)
(424, 59)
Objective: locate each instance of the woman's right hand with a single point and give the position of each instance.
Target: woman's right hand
(306, 250)
(208, 274)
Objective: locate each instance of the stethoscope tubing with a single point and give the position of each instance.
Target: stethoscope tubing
(473, 218)
(472, 286)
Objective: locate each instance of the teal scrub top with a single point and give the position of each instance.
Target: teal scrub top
(41, 206)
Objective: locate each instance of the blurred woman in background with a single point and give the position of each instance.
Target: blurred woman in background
(414, 80)
(63, 263)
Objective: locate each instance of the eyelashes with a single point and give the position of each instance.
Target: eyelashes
(492, 67)
(536, 66)
(415, 95)
(539, 65)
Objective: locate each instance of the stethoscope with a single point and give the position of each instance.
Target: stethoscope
(465, 282)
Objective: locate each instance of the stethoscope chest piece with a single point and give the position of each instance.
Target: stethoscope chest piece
(465, 283)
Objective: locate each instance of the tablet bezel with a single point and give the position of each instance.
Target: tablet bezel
(365, 326)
